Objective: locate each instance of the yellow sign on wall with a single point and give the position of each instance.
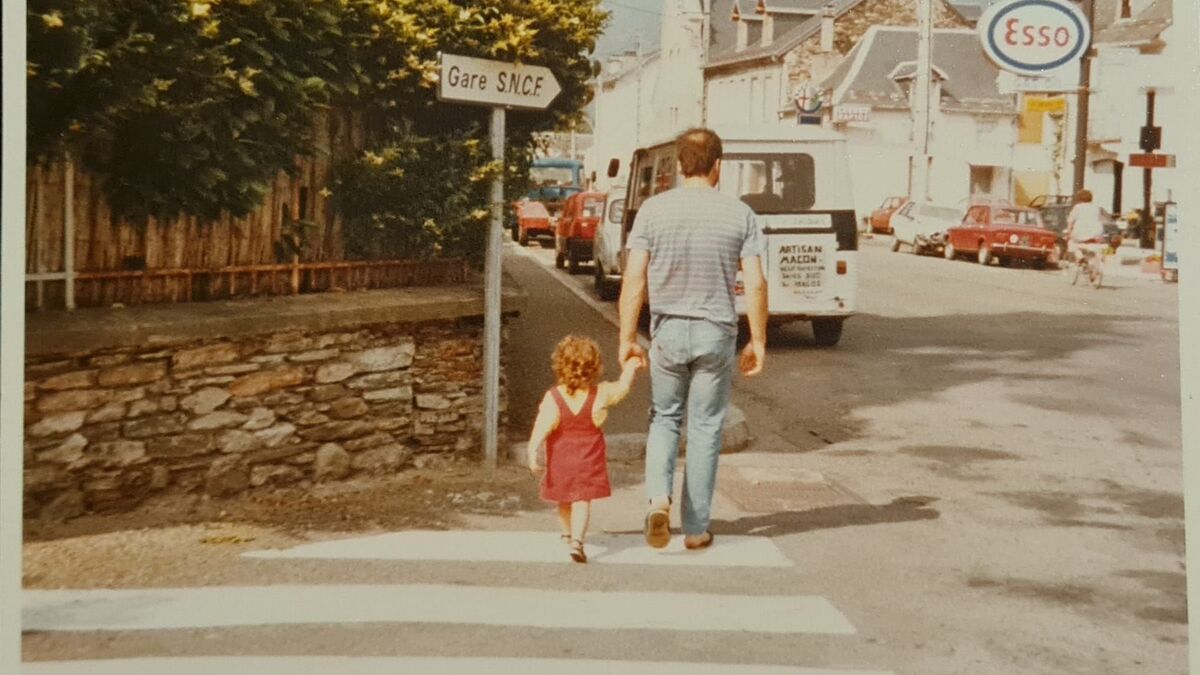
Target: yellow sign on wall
(1056, 104)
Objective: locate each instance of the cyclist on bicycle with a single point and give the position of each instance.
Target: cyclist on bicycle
(1085, 225)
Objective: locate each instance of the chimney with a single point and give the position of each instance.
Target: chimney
(827, 14)
(743, 33)
(768, 30)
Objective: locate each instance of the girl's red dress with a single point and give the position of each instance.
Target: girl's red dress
(576, 464)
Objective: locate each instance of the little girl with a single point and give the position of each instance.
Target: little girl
(568, 422)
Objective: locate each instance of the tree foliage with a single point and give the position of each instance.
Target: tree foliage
(181, 106)
(195, 105)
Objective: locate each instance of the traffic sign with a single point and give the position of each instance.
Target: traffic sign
(499, 85)
(465, 79)
(1031, 37)
(1152, 161)
(1056, 104)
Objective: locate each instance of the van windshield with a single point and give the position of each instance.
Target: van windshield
(770, 183)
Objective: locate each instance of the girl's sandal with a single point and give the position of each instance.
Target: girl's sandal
(577, 553)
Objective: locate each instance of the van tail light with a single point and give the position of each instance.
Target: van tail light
(739, 288)
(841, 267)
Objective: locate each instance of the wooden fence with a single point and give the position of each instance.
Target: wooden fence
(79, 254)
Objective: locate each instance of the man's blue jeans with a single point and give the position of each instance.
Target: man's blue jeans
(691, 368)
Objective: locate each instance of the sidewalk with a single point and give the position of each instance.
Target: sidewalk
(552, 312)
(1134, 262)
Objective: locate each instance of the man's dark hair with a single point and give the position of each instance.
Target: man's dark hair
(698, 150)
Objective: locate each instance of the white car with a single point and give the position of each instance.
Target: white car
(922, 226)
(606, 246)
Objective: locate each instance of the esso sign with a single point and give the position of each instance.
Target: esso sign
(1033, 37)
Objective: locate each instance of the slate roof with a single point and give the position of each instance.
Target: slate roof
(723, 45)
(1142, 29)
(869, 75)
(1105, 11)
(969, 11)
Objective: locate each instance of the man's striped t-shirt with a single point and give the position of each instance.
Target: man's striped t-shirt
(696, 236)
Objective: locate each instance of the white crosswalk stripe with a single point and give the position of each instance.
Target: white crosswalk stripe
(535, 547)
(175, 608)
(315, 665)
(449, 606)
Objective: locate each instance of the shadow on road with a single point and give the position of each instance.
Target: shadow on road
(899, 510)
(814, 397)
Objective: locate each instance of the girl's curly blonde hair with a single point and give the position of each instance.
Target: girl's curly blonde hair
(576, 363)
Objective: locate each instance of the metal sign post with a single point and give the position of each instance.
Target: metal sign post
(500, 85)
(491, 299)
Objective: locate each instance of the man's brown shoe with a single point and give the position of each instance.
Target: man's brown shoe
(658, 528)
(698, 541)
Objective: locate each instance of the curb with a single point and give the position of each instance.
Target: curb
(632, 446)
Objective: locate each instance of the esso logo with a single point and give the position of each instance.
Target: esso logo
(1032, 37)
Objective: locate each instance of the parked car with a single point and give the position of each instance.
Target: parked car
(576, 228)
(606, 247)
(880, 218)
(922, 226)
(1001, 232)
(533, 221)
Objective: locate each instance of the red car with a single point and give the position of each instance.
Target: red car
(576, 229)
(880, 218)
(1001, 232)
(533, 220)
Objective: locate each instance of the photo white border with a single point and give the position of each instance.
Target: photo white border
(1187, 77)
(12, 328)
(12, 334)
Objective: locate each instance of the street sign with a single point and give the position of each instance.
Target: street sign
(1170, 243)
(499, 85)
(1056, 104)
(848, 112)
(1031, 37)
(1152, 161)
(1150, 138)
(464, 79)
(809, 101)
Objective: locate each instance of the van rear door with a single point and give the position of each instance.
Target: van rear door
(807, 217)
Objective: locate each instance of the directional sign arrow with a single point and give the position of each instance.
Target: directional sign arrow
(465, 79)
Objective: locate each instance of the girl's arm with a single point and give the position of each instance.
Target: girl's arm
(546, 422)
(615, 392)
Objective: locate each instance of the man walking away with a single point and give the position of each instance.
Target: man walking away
(684, 249)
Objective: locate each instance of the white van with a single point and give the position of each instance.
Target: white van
(797, 179)
(607, 245)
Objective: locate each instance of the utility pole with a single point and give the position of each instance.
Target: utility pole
(1084, 98)
(637, 108)
(919, 164)
(1148, 229)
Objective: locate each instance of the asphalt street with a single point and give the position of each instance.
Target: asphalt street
(1037, 426)
(983, 477)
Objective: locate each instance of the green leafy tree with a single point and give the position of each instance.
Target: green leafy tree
(193, 106)
(398, 42)
(181, 106)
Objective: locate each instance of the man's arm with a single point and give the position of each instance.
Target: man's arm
(633, 295)
(755, 285)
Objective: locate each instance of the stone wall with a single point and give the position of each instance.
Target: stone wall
(106, 427)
